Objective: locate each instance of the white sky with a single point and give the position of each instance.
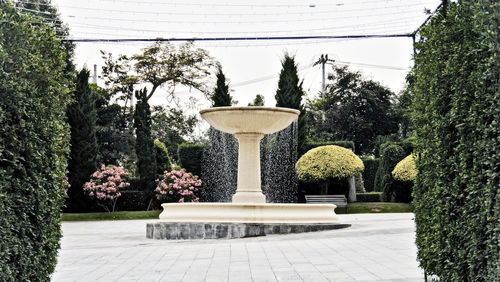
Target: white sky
(252, 67)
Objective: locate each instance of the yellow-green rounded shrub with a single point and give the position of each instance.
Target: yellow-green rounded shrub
(327, 162)
(405, 170)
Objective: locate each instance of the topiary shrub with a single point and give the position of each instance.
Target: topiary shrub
(360, 184)
(405, 170)
(369, 197)
(190, 156)
(326, 162)
(163, 162)
(34, 144)
(371, 167)
(313, 144)
(391, 154)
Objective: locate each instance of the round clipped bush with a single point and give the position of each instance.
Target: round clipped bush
(405, 170)
(327, 162)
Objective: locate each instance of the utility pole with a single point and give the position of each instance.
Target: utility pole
(323, 60)
(94, 77)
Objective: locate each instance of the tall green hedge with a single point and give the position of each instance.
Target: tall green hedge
(190, 157)
(371, 167)
(34, 143)
(456, 114)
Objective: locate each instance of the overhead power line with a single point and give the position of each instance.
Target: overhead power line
(241, 38)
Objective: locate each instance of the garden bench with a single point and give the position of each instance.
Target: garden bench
(338, 200)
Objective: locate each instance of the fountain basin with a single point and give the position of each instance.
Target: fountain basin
(248, 213)
(264, 120)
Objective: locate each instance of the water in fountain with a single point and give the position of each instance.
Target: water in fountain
(219, 170)
(278, 158)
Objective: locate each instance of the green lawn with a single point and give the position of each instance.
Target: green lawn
(111, 215)
(353, 208)
(376, 207)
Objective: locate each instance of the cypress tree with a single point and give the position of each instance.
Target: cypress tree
(144, 146)
(289, 94)
(82, 117)
(221, 96)
(258, 101)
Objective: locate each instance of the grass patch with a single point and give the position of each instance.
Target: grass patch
(379, 207)
(122, 215)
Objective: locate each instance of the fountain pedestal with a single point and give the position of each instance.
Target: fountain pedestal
(249, 186)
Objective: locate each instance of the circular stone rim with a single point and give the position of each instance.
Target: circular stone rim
(250, 108)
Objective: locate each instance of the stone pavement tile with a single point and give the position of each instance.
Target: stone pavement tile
(264, 277)
(337, 276)
(172, 277)
(304, 267)
(327, 268)
(312, 276)
(240, 276)
(287, 276)
(363, 276)
(216, 279)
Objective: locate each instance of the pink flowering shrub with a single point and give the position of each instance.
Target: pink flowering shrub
(178, 186)
(105, 184)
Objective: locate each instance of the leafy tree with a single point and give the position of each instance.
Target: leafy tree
(456, 116)
(34, 144)
(160, 65)
(172, 126)
(403, 107)
(45, 12)
(352, 109)
(221, 96)
(114, 130)
(258, 101)
(82, 118)
(144, 145)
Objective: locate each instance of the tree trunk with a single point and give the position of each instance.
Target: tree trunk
(352, 190)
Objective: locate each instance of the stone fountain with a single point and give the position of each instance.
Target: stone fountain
(248, 214)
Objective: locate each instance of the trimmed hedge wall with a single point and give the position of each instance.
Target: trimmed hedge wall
(313, 144)
(456, 116)
(190, 156)
(371, 167)
(34, 144)
(369, 197)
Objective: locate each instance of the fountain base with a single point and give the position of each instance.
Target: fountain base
(196, 230)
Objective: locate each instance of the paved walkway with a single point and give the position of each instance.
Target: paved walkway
(377, 247)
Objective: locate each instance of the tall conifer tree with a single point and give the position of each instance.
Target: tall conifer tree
(82, 119)
(221, 96)
(144, 146)
(289, 93)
